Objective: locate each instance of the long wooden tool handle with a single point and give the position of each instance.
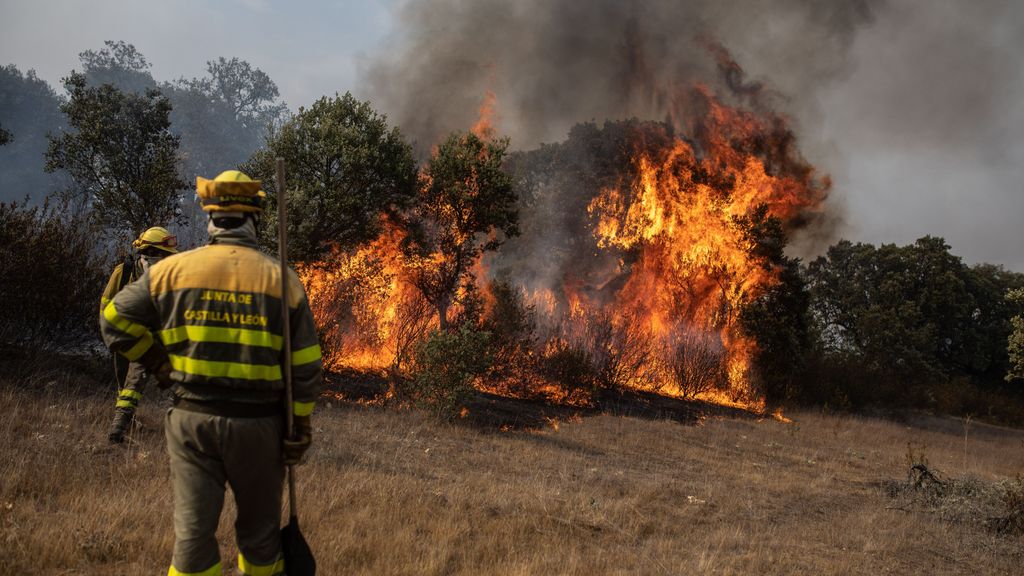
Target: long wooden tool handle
(282, 249)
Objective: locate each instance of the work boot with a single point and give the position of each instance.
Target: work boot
(122, 420)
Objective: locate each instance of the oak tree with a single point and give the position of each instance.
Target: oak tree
(466, 206)
(120, 154)
(345, 169)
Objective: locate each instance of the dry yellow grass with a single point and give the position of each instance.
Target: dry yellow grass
(394, 492)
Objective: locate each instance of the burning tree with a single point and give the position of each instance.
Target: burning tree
(466, 207)
(652, 256)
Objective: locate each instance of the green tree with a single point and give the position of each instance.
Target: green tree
(466, 206)
(909, 315)
(120, 154)
(779, 321)
(222, 118)
(984, 353)
(119, 64)
(345, 168)
(1015, 347)
(249, 92)
(5, 136)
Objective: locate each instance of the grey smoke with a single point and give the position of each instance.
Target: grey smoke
(930, 127)
(915, 107)
(553, 63)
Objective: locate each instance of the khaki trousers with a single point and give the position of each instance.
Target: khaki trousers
(206, 452)
(131, 381)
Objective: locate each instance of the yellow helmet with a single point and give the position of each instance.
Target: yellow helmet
(157, 237)
(230, 191)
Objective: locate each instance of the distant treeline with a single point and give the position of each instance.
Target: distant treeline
(219, 119)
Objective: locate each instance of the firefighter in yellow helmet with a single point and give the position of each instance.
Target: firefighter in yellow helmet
(149, 248)
(208, 324)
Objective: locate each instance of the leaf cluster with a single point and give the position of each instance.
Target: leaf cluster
(445, 366)
(120, 154)
(466, 206)
(914, 314)
(119, 64)
(29, 109)
(1015, 347)
(345, 167)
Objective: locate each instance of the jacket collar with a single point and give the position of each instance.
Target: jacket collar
(244, 235)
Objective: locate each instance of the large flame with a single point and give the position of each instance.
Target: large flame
(367, 312)
(666, 318)
(688, 259)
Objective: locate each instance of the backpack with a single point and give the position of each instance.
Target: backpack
(127, 270)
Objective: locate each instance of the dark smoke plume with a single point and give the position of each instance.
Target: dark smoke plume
(554, 63)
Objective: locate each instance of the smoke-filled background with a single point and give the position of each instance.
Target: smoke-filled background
(914, 107)
(552, 64)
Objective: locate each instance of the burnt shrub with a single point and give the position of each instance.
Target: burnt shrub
(618, 350)
(696, 362)
(445, 365)
(512, 325)
(52, 272)
(570, 367)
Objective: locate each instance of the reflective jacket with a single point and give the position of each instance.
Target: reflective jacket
(216, 313)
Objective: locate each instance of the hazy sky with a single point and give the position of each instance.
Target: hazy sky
(309, 48)
(923, 133)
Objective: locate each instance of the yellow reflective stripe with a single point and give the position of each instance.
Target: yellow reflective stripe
(126, 404)
(306, 355)
(238, 370)
(136, 352)
(127, 326)
(220, 334)
(250, 569)
(302, 408)
(211, 571)
(130, 393)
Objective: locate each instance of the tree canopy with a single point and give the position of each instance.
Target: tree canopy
(119, 64)
(466, 206)
(915, 312)
(223, 117)
(1016, 339)
(120, 154)
(345, 168)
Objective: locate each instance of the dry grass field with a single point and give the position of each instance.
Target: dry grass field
(390, 491)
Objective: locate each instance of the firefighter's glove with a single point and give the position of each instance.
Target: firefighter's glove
(163, 376)
(294, 447)
(158, 364)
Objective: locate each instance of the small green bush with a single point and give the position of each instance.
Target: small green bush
(445, 366)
